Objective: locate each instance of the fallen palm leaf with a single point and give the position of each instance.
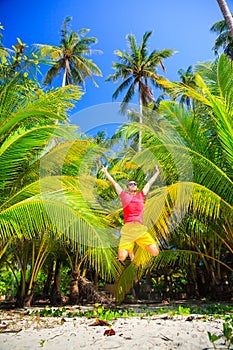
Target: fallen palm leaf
(99, 323)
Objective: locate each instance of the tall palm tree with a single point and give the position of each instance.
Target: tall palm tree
(226, 14)
(71, 57)
(137, 68)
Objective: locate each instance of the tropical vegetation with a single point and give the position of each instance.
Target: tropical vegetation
(195, 224)
(60, 218)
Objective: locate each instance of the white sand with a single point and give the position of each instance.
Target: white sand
(149, 332)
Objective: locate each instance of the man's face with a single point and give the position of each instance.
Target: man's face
(132, 186)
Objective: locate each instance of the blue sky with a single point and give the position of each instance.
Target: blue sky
(182, 25)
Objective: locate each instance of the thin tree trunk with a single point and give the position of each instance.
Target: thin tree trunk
(22, 261)
(74, 288)
(64, 79)
(96, 279)
(49, 279)
(27, 301)
(226, 14)
(88, 293)
(140, 121)
(66, 71)
(55, 297)
(20, 291)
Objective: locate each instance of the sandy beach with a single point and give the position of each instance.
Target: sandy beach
(23, 332)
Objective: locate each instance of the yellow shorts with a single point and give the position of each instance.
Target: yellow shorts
(134, 232)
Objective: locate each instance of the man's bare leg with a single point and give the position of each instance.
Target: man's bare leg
(131, 255)
(123, 253)
(153, 249)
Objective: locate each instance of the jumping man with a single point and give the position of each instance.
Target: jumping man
(133, 230)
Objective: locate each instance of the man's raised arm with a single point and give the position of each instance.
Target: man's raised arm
(147, 186)
(112, 181)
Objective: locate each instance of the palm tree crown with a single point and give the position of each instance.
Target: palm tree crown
(224, 39)
(70, 57)
(137, 68)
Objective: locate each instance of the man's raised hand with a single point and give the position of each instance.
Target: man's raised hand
(104, 169)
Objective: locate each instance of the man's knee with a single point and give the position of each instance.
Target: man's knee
(153, 249)
(122, 254)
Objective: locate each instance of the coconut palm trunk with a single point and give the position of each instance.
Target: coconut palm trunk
(48, 282)
(140, 121)
(67, 72)
(226, 14)
(64, 76)
(55, 297)
(74, 287)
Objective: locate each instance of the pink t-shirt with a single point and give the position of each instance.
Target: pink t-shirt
(133, 206)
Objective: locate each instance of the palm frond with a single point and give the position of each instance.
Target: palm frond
(22, 145)
(125, 282)
(167, 207)
(125, 84)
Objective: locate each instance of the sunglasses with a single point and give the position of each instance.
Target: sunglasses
(132, 184)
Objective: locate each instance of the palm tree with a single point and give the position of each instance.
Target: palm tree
(28, 121)
(188, 78)
(226, 14)
(201, 203)
(70, 57)
(137, 68)
(39, 201)
(224, 39)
